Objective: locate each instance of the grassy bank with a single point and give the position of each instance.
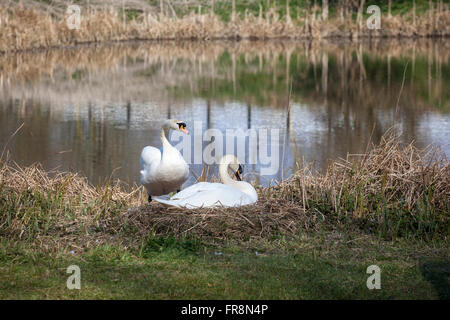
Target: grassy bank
(164, 268)
(31, 26)
(311, 237)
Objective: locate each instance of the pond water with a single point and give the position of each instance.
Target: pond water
(91, 109)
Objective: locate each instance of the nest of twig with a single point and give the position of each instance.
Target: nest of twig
(266, 219)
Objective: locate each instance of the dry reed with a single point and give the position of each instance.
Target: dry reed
(391, 190)
(28, 28)
(33, 201)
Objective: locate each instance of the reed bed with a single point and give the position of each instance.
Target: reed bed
(25, 28)
(390, 191)
(393, 189)
(34, 202)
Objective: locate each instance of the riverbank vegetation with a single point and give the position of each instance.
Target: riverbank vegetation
(35, 25)
(392, 191)
(389, 207)
(310, 236)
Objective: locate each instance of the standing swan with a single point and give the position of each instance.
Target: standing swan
(162, 174)
(205, 194)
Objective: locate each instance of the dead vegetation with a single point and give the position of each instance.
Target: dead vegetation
(391, 191)
(25, 28)
(34, 201)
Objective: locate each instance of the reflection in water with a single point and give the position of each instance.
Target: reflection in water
(92, 109)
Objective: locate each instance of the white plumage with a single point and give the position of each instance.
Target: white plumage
(204, 194)
(166, 172)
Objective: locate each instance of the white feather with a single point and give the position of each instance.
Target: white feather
(162, 173)
(206, 195)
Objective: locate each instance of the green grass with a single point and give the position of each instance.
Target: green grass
(165, 268)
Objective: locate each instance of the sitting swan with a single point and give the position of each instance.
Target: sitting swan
(166, 172)
(205, 194)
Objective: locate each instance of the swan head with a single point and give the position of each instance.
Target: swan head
(231, 162)
(237, 170)
(178, 125)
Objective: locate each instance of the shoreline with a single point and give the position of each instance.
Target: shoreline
(220, 41)
(331, 39)
(359, 145)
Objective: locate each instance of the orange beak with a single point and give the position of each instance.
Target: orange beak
(184, 130)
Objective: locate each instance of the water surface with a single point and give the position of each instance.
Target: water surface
(92, 109)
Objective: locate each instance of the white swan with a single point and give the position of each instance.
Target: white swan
(166, 172)
(205, 194)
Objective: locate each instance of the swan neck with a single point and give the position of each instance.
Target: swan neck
(240, 185)
(164, 141)
(223, 172)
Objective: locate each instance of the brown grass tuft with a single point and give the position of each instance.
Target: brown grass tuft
(33, 201)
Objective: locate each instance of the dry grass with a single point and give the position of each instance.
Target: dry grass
(393, 187)
(34, 201)
(391, 191)
(28, 28)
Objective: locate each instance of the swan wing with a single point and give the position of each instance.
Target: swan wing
(150, 157)
(191, 190)
(208, 195)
